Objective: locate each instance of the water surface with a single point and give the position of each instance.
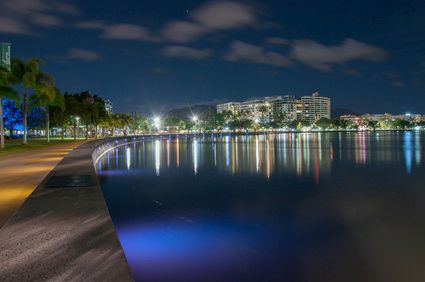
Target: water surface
(281, 207)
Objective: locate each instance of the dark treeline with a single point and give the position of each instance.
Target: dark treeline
(32, 102)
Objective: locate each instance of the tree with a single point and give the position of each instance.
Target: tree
(36, 118)
(115, 123)
(182, 125)
(373, 124)
(401, 124)
(86, 101)
(125, 120)
(27, 74)
(323, 123)
(6, 91)
(46, 95)
(98, 112)
(71, 112)
(279, 120)
(12, 115)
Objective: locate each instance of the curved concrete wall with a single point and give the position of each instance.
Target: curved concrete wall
(64, 231)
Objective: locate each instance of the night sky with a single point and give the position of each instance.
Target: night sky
(148, 56)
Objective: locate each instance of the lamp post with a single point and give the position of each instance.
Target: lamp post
(76, 128)
(195, 120)
(157, 122)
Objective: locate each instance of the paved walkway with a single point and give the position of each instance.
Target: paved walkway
(21, 173)
(63, 231)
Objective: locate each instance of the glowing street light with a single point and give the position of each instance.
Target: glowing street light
(77, 118)
(195, 118)
(157, 122)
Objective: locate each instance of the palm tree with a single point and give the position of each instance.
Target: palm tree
(71, 112)
(26, 73)
(6, 91)
(126, 120)
(115, 122)
(46, 95)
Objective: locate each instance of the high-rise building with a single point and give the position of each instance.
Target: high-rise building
(315, 107)
(257, 109)
(287, 105)
(232, 107)
(308, 108)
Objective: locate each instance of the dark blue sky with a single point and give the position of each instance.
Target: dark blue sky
(150, 55)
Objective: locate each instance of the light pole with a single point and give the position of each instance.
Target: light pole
(195, 120)
(157, 122)
(76, 128)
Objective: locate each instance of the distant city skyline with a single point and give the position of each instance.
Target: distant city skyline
(150, 56)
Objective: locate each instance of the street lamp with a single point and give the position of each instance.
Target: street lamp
(76, 128)
(157, 122)
(195, 120)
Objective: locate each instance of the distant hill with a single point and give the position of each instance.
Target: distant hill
(186, 113)
(336, 113)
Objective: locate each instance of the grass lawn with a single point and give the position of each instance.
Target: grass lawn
(15, 146)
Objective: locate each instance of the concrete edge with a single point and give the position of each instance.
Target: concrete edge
(65, 233)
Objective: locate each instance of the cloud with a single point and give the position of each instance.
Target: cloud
(91, 25)
(122, 31)
(182, 31)
(224, 15)
(277, 41)
(186, 52)
(21, 16)
(127, 32)
(9, 25)
(210, 17)
(83, 54)
(241, 51)
(323, 57)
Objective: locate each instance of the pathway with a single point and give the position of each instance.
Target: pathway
(21, 173)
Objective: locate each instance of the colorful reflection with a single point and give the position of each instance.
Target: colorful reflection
(277, 207)
(305, 154)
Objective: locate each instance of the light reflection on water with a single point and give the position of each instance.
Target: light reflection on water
(294, 207)
(305, 154)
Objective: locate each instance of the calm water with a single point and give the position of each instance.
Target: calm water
(284, 207)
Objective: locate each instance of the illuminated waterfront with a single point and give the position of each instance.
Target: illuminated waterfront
(292, 206)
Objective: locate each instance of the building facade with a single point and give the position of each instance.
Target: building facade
(256, 110)
(315, 107)
(233, 107)
(307, 108)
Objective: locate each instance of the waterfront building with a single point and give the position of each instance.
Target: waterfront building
(357, 120)
(378, 117)
(307, 108)
(408, 117)
(233, 107)
(284, 104)
(257, 110)
(315, 107)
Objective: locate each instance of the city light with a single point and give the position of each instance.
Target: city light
(194, 118)
(157, 122)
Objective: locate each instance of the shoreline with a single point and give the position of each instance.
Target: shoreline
(63, 230)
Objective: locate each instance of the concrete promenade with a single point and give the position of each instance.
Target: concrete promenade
(63, 231)
(21, 173)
